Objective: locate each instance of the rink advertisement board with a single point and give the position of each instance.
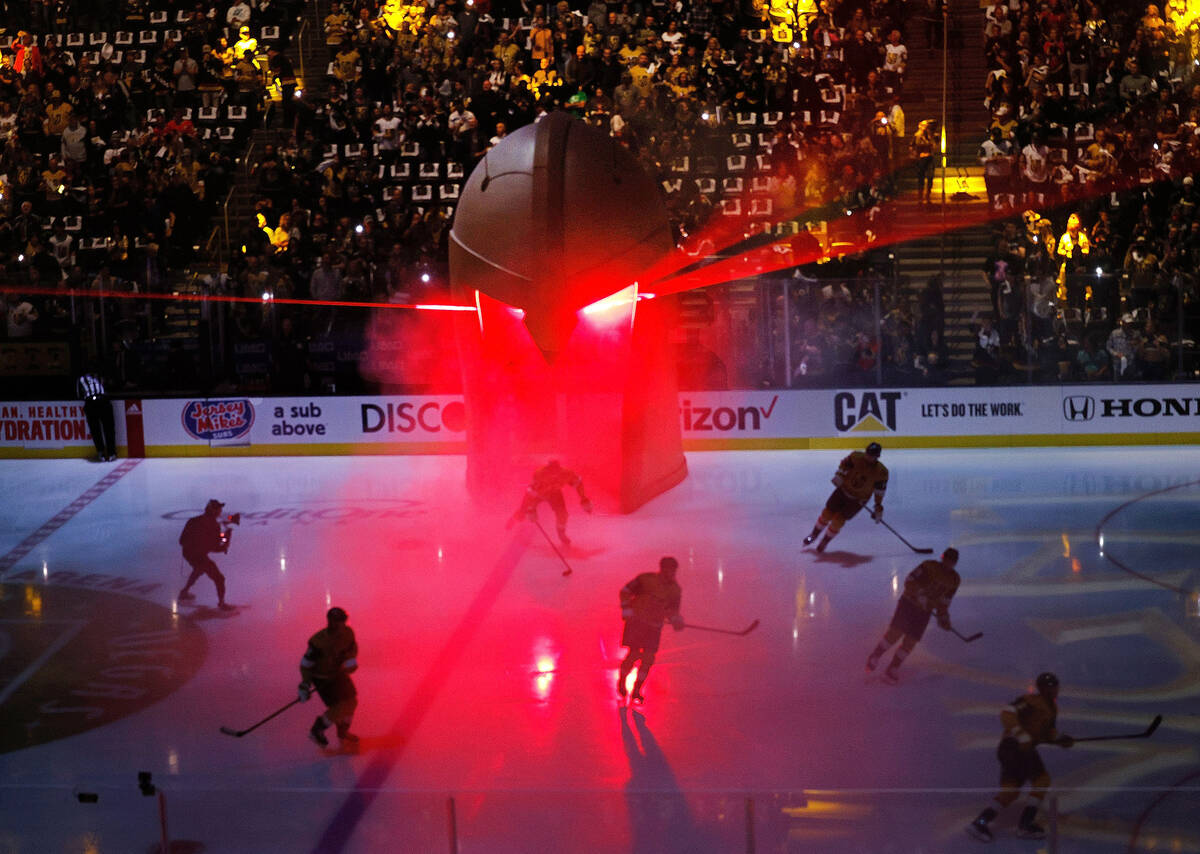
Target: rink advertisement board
(709, 420)
(1018, 415)
(300, 425)
(55, 428)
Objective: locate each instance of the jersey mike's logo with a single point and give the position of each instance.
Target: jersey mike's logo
(1079, 407)
(211, 420)
(865, 412)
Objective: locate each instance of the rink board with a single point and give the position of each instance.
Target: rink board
(710, 420)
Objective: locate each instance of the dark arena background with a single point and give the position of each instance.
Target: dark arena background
(417, 427)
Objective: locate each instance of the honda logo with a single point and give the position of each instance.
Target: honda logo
(1079, 407)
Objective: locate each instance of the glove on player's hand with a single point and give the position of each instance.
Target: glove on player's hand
(304, 692)
(586, 504)
(626, 613)
(677, 623)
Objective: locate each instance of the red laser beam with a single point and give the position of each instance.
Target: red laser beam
(671, 274)
(90, 294)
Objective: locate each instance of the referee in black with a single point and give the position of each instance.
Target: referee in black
(97, 408)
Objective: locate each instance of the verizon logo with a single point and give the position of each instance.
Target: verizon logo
(725, 418)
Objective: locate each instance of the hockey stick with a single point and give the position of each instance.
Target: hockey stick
(967, 638)
(1149, 732)
(238, 733)
(566, 571)
(740, 634)
(900, 538)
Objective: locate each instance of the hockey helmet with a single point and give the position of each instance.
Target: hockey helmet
(874, 450)
(336, 615)
(950, 556)
(213, 504)
(1046, 681)
(668, 565)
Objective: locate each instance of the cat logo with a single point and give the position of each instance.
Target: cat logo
(866, 412)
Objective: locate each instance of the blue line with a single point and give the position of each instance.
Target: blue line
(65, 515)
(341, 827)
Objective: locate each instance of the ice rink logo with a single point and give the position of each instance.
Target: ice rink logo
(1079, 407)
(869, 412)
(76, 659)
(211, 420)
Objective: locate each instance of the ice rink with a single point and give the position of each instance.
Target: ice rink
(487, 708)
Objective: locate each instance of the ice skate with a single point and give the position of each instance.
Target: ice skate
(821, 545)
(636, 697)
(978, 829)
(1030, 830)
(872, 662)
(225, 606)
(185, 596)
(348, 739)
(891, 677)
(317, 733)
(808, 541)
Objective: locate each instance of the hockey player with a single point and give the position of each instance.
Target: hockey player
(858, 476)
(202, 534)
(928, 590)
(331, 657)
(1028, 722)
(547, 485)
(646, 603)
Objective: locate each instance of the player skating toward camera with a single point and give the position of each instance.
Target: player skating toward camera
(648, 601)
(928, 590)
(1029, 721)
(547, 485)
(858, 477)
(331, 657)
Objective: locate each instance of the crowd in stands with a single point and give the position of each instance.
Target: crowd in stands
(1090, 158)
(119, 127)
(356, 197)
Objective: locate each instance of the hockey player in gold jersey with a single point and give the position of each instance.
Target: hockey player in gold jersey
(858, 477)
(928, 590)
(547, 485)
(646, 603)
(1028, 721)
(331, 657)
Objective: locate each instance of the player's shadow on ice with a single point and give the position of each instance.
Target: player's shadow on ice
(178, 846)
(659, 815)
(848, 560)
(580, 552)
(203, 612)
(381, 742)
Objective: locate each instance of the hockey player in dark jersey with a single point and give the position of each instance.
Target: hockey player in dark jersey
(1028, 721)
(928, 590)
(547, 485)
(858, 477)
(331, 656)
(647, 601)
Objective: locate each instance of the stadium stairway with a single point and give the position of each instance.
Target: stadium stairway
(964, 238)
(306, 49)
